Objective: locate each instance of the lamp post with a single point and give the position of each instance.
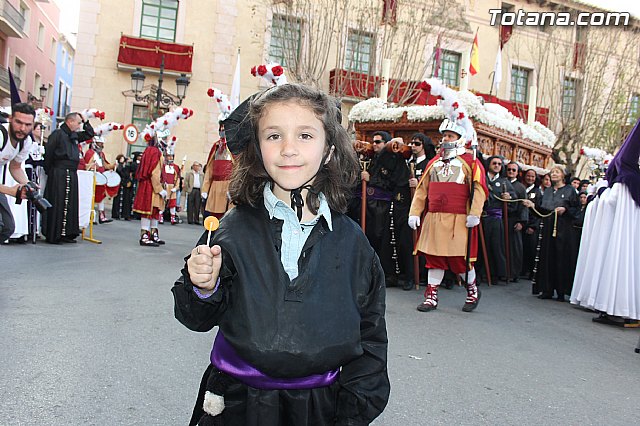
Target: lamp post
(32, 99)
(161, 97)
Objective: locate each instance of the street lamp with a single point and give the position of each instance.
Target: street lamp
(43, 92)
(161, 97)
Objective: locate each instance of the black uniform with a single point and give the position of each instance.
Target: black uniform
(122, 202)
(530, 234)
(518, 213)
(557, 261)
(494, 227)
(388, 203)
(61, 160)
(330, 316)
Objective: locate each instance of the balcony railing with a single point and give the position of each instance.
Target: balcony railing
(11, 20)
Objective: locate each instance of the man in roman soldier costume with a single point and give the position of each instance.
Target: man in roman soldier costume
(215, 185)
(152, 194)
(171, 178)
(452, 191)
(95, 160)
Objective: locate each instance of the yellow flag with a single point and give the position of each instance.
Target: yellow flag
(474, 67)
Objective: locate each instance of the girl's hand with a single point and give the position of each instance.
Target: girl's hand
(560, 210)
(204, 266)
(528, 203)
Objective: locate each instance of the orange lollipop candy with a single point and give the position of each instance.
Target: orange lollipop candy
(211, 223)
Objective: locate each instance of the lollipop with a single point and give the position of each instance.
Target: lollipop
(211, 224)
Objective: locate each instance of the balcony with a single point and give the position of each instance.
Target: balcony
(147, 54)
(11, 21)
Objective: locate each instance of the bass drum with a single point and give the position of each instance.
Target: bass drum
(101, 179)
(113, 183)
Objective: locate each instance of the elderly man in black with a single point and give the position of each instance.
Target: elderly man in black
(61, 160)
(518, 217)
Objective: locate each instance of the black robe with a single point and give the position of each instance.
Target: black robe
(122, 202)
(530, 234)
(61, 159)
(517, 213)
(387, 226)
(557, 261)
(494, 227)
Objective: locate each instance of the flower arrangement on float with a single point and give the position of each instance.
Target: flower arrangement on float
(493, 115)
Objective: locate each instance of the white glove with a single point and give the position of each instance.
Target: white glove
(174, 190)
(204, 195)
(472, 221)
(163, 193)
(414, 222)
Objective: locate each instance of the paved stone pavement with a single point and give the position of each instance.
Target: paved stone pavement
(88, 338)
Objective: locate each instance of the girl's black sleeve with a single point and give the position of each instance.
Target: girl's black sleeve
(201, 314)
(364, 382)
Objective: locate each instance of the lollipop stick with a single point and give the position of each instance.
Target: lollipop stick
(209, 238)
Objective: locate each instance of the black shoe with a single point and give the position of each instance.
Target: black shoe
(561, 298)
(100, 221)
(545, 296)
(515, 280)
(423, 307)
(408, 285)
(468, 307)
(68, 240)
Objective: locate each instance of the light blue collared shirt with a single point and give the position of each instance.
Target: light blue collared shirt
(294, 233)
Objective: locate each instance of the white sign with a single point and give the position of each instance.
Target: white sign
(163, 133)
(131, 134)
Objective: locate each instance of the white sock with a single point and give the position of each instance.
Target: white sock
(435, 276)
(172, 210)
(154, 223)
(145, 224)
(472, 276)
(101, 206)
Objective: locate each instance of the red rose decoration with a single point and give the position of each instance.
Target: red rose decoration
(185, 111)
(581, 151)
(210, 92)
(122, 127)
(262, 70)
(147, 137)
(166, 122)
(253, 71)
(51, 112)
(277, 70)
(190, 112)
(219, 100)
(174, 138)
(455, 105)
(461, 116)
(153, 126)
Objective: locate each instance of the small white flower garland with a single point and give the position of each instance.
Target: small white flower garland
(374, 109)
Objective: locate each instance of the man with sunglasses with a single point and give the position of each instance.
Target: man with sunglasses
(499, 188)
(388, 200)
(518, 218)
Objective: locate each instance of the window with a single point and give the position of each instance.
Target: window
(54, 48)
(62, 96)
(359, 52)
(139, 118)
(159, 19)
(50, 95)
(26, 14)
(634, 108)
(67, 104)
(69, 64)
(285, 39)
(569, 93)
(18, 73)
(519, 84)
(64, 58)
(37, 81)
(41, 37)
(449, 70)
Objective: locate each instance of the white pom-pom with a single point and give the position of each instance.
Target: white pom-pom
(213, 404)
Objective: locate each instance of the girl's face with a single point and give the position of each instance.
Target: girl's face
(292, 142)
(546, 181)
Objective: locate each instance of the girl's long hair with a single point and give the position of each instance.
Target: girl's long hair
(335, 179)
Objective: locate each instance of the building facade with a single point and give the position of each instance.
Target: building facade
(65, 58)
(31, 55)
(342, 51)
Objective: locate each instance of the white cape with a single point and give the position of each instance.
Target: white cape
(607, 275)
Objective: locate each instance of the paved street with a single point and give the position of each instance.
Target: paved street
(89, 338)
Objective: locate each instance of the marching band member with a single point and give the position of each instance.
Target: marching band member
(171, 176)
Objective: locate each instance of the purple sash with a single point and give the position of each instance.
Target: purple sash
(225, 358)
(495, 213)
